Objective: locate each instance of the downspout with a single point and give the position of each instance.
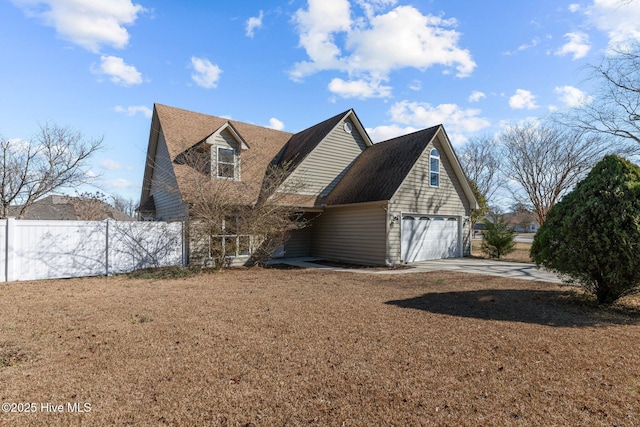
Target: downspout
(385, 207)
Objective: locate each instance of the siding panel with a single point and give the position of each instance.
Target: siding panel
(321, 170)
(164, 187)
(354, 234)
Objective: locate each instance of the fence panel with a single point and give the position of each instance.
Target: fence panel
(58, 249)
(33, 250)
(136, 245)
(3, 250)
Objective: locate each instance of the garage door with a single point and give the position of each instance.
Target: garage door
(429, 237)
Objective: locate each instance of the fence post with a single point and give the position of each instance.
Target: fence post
(106, 249)
(10, 250)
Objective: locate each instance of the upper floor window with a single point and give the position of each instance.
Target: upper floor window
(434, 168)
(226, 163)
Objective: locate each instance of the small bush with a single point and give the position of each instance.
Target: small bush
(497, 239)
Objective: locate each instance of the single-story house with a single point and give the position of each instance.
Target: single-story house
(397, 201)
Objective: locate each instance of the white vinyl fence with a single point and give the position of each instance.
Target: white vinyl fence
(33, 250)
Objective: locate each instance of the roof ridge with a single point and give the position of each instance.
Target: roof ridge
(211, 116)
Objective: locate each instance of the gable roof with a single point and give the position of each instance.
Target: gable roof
(183, 129)
(380, 169)
(304, 142)
(375, 175)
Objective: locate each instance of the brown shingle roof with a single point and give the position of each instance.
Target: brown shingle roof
(380, 169)
(183, 129)
(66, 208)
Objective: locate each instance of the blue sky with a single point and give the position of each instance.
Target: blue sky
(474, 66)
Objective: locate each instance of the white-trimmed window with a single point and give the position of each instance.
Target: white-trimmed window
(229, 243)
(226, 163)
(434, 168)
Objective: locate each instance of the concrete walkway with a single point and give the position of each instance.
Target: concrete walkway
(463, 265)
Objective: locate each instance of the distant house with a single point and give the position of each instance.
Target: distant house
(402, 200)
(70, 208)
(521, 222)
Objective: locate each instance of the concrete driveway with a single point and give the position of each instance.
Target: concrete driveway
(514, 270)
(463, 265)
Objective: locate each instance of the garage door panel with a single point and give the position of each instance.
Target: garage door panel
(429, 237)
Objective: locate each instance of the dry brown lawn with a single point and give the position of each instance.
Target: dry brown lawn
(306, 347)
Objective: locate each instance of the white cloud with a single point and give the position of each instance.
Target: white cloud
(571, 96)
(118, 71)
(382, 133)
(253, 23)
(422, 114)
(275, 124)
(618, 19)
(415, 85)
(316, 27)
(404, 37)
(476, 96)
(119, 183)
(534, 42)
(90, 24)
(18, 145)
(359, 89)
(132, 110)
(578, 45)
(369, 47)
(574, 7)
(205, 73)
(111, 165)
(523, 99)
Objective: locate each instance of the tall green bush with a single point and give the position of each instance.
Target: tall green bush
(497, 238)
(592, 236)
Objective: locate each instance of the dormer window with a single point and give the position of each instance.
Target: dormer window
(226, 163)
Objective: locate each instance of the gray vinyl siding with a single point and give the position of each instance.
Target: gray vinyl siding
(351, 233)
(321, 170)
(415, 195)
(226, 140)
(298, 244)
(164, 187)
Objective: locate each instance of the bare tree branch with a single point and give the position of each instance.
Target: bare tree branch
(228, 215)
(55, 158)
(546, 162)
(615, 109)
(481, 163)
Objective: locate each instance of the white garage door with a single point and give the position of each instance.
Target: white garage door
(429, 237)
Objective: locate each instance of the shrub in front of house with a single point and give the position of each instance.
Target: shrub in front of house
(497, 238)
(592, 236)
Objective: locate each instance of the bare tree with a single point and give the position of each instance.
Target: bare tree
(90, 206)
(615, 108)
(547, 161)
(480, 159)
(55, 158)
(126, 205)
(230, 217)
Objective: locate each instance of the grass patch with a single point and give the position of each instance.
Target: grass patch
(11, 355)
(309, 347)
(174, 272)
(520, 253)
